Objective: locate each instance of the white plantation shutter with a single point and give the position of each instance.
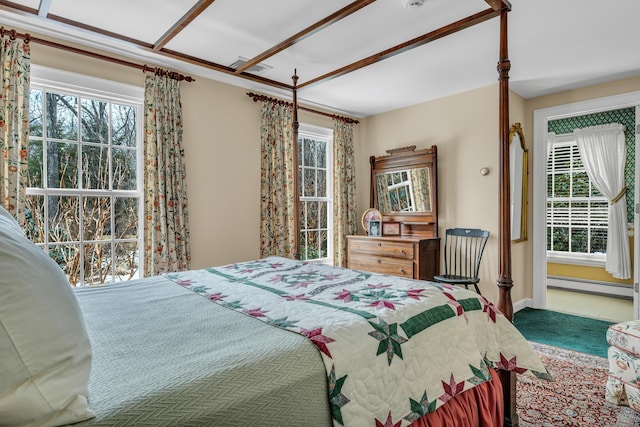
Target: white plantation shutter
(574, 206)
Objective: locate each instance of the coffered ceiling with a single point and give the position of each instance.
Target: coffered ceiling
(554, 45)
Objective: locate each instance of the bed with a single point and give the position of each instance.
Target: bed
(215, 347)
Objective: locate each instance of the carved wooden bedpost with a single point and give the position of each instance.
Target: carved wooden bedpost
(296, 183)
(505, 282)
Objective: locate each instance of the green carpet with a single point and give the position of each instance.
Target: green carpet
(563, 330)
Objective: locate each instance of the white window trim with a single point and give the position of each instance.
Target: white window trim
(93, 87)
(324, 134)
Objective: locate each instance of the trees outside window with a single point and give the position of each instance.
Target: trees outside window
(315, 166)
(84, 191)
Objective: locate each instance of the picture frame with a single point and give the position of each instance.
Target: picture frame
(391, 228)
(375, 228)
(368, 215)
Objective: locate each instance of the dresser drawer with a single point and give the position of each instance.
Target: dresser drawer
(381, 264)
(394, 249)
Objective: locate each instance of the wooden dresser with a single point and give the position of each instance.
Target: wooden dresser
(404, 256)
(414, 251)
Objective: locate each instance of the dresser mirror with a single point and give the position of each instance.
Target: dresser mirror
(403, 189)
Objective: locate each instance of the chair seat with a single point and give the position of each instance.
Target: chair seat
(453, 279)
(625, 336)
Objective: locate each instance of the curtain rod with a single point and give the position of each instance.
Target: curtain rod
(28, 38)
(257, 97)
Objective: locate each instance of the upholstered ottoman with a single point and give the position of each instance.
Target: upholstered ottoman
(623, 385)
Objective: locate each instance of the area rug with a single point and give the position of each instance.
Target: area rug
(575, 397)
(563, 330)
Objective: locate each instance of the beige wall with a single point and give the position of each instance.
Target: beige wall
(464, 127)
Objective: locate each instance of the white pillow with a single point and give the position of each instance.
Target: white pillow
(45, 352)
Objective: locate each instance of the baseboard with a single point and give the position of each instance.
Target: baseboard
(590, 286)
(523, 303)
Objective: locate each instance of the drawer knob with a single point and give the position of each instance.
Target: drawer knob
(402, 250)
(379, 244)
(402, 271)
(379, 261)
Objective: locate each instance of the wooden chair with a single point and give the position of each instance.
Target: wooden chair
(463, 248)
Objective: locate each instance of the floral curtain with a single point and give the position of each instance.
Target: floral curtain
(277, 194)
(166, 219)
(344, 190)
(15, 64)
(382, 193)
(421, 190)
(603, 153)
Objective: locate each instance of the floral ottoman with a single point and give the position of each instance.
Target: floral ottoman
(623, 385)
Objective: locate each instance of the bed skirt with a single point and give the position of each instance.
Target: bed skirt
(482, 406)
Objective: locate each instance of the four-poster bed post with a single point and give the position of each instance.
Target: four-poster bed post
(505, 282)
(296, 181)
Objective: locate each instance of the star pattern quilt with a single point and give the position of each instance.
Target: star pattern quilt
(394, 349)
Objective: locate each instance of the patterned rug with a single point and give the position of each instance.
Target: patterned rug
(576, 397)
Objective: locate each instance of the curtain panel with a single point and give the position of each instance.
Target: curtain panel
(603, 152)
(166, 219)
(344, 190)
(277, 189)
(14, 124)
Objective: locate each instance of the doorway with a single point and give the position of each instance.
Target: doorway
(542, 118)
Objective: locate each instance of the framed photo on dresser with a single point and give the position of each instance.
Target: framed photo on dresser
(391, 228)
(375, 228)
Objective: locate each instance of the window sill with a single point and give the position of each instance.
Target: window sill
(577, 259)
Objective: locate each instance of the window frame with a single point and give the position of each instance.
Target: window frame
(326, 135)
(566, 257)
(87, 87)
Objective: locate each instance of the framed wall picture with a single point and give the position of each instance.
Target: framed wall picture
(391, 228)
(375, 228)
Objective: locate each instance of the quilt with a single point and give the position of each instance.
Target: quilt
(394, 349)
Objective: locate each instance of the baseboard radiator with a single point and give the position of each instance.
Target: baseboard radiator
(591, 286)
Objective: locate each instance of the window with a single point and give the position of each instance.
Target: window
(577, 213)
(315, 163)
(84, 188)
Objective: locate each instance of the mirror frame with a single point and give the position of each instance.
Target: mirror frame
(423, 224)
(523, 171)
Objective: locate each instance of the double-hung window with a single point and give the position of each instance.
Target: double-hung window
(315, 166)
(577, 213)
(84, 177)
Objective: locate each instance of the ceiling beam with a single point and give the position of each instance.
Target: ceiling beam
(18, 7)
(186, 19)
(320, 25)
(408, 45)
(43, 10)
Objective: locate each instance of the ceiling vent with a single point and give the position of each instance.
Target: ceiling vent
(258, 68)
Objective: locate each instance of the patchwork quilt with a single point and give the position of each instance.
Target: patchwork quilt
(394, 349)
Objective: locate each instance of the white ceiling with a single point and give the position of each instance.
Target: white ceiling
(554, 45)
